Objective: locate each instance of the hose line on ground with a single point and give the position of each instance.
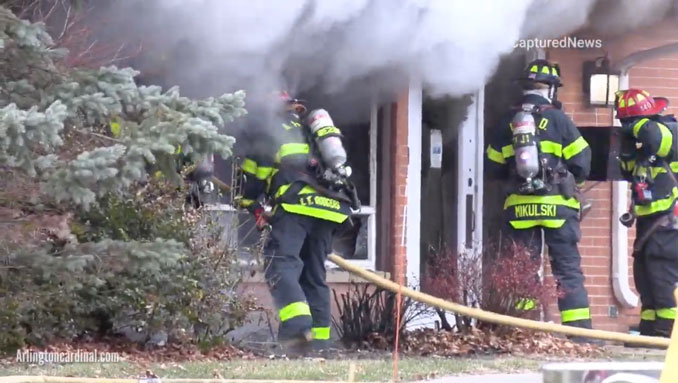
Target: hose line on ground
(487, 316)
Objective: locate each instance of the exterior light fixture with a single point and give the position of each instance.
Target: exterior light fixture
(600, 83)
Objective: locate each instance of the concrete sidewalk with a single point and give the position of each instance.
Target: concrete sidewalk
(533, 377)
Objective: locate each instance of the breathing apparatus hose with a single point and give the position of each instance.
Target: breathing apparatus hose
(487, 316)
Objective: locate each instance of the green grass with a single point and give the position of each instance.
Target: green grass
(378, 369)
(366, 369)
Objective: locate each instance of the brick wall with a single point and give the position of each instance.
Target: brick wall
(660, 78)
(400, 161)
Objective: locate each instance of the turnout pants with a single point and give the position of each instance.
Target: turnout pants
(565, 264)
(295, 258)
(655, 272)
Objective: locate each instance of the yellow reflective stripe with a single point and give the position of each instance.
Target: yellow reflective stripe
(628, 165)
(507, 151)
(305, 190)
(249, 166)
(327, 130)
(575, 148)
(315, 212)
(657, 206)
(526, 304)
(294, 310)
(638, 125)
(530, 223)
(115, 128)
(667, 140)
(291, 149)
(321, 333)
(263, 172)
(516, 199)
(551, 147)
(667, 313)
(648, 315)
(495, 155)
(575, 315)
(244, 202)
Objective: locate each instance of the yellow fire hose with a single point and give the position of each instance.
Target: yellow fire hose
(497, 318)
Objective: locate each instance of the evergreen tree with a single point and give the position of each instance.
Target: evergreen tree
(89, 137)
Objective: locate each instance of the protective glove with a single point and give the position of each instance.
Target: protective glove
(261, 219)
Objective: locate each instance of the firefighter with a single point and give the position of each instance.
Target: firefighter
(648, 160)
(544, 161)
(281, 171)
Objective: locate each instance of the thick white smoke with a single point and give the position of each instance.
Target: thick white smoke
(366, 48)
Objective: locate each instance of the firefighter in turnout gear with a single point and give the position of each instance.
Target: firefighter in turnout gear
(297, 165)
(544, 161)
(649, 161)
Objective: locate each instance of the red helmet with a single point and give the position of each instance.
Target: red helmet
(638, 103)
(285, 97)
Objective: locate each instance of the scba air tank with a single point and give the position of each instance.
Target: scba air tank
(525, 144)
(327, 138)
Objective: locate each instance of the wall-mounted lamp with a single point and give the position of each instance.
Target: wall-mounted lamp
(600, 82)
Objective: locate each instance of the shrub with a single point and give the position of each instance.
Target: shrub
(186, 293)
(503, 283)
(367, 315)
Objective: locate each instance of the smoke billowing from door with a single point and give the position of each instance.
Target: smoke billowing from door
(361, 47)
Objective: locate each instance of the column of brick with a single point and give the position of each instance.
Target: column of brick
(400, 153)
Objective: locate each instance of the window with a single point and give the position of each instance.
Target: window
(355, 242)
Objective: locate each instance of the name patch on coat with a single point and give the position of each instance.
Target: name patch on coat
(535, 210)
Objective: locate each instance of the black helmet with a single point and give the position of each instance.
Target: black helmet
(542, 71)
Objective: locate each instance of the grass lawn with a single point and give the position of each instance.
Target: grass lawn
(315, 369)
(366, 369)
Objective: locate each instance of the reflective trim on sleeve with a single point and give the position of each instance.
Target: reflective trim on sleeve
(244, 202)
(575, 315)
(315, 212)
(293, 310)
(321, 333)
(551, 147)
(575, 148)
(530, 223)
(516, 199)
(263, 172)
(507, 151)
(495, 155)
(638, 125)
(667, 141)
(648, 315)
(666, 313)
(249, 166)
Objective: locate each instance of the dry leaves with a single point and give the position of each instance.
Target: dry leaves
(514, 341)
(136, 354)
